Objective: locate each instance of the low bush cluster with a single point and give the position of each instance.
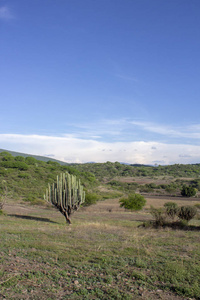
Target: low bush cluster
(130, 187)
(171, 209)
(171, 212)
(187, 213)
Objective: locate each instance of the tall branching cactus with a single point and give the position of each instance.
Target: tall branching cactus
(66, 194)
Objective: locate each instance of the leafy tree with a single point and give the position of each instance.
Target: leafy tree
(188, 191)
(134, 202)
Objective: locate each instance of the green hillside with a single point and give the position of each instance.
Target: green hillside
(38, 157)
(110, 170)
(27, 177)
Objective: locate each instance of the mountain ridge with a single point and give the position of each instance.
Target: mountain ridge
(38, 157)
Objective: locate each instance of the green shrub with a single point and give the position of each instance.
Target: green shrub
(6, 156)
(30, 198)
(24, 175)
(188, 191)
(133, 202)
(90, 198)
(152, 185)
(163, 186)
(196, 184)
(170, 189)
(171, 209)
(22, 166)
(187, 213)
(19, 158)
(2, 213)
(30, 160)
(145, 189)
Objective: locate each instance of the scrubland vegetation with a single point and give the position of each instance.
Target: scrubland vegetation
(109, 252)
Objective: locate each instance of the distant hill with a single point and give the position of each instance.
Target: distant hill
(140, 165)
(38, 157)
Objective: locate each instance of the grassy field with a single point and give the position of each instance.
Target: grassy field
(104, 254)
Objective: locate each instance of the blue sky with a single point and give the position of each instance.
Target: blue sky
(101, 80)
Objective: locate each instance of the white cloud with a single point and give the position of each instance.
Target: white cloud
(70, 149)
(5, 13)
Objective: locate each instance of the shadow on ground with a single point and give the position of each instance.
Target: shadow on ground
(175, 226)
(32, 218)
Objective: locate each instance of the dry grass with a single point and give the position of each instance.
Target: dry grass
(102, 255)
(161, 200)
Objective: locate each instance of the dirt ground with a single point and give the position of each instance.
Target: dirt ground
(103, 209)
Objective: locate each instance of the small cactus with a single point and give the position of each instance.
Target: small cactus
(66, 194)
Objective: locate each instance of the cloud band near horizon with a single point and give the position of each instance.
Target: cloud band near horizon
(76, 150)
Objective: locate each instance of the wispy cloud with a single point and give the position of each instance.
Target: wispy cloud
(5, 13)
(70, 149)
(127, 130)
(188, 131)
(127, 78)
(99, 129)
